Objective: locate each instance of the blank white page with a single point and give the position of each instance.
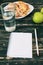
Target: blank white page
(20, 45)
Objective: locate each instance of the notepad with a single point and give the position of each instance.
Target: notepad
(20, 45)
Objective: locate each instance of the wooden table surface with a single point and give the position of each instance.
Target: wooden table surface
(23, 25)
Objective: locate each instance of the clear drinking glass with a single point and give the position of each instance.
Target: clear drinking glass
(8, 17)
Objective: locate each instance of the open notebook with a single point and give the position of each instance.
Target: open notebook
(20, 45)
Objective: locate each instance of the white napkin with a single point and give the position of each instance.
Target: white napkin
(20, 45)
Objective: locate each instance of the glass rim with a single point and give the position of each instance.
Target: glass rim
(1, 6)
(4, 3)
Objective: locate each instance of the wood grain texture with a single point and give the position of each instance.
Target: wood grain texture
(23, 25)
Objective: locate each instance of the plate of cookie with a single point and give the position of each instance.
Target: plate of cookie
(22, 9)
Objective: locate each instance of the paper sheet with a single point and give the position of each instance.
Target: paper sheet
(20, 45)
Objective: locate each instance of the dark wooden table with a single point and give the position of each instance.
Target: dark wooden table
(23, 25)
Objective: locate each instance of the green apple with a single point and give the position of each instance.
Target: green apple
(42, 10)
(37, 17)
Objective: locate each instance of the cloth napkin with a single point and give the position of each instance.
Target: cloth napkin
(20, 45)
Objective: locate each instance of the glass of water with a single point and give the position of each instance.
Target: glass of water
(8, 17)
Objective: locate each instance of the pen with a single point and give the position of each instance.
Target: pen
(36, 42)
